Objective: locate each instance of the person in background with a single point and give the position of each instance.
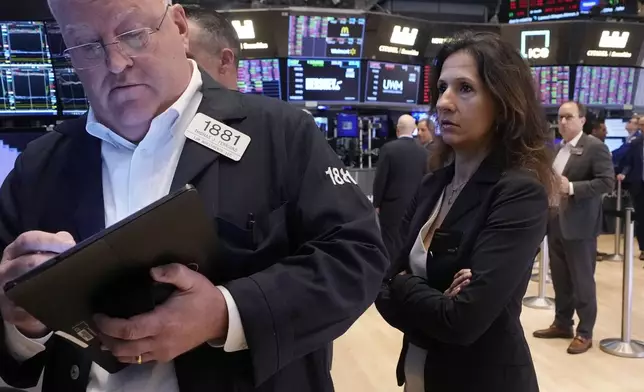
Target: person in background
(633, 128)
(473, 229)
(300, 256)
(426, 131)
(213, 44)
(586, 173)
(400, 169)
(631, 173)
(598, 129)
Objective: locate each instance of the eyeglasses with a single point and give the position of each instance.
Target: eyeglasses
(132, 44)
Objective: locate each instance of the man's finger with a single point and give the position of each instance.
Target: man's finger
(175, 274)
(127, 348)
(38, 241)
(138, 327)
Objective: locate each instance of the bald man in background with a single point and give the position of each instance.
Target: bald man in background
(400, 169)
(213, 44)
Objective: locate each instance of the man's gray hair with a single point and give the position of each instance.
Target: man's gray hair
(216, 34)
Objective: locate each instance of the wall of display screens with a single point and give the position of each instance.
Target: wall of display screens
(27, 82)
(553, 84)
(520, 11)
(392, 83)
(323, 80)
(604, 85)
(260, 77)
(326, 36)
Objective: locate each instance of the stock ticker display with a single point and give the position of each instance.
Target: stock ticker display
(326, 36)
(542, 10)
(553, 84)
(392, 83)
(260, 77)
(604, 85)
(324, 80)
(27, 82)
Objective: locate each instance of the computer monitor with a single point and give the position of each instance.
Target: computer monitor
(325, 81)
(389, 83)
(27, 90)
(260, 76)
(326, 36)
(347, 125)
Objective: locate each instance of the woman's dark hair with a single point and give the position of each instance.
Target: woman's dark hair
(521, 132)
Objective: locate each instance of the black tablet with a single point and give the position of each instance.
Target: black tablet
(109, 272)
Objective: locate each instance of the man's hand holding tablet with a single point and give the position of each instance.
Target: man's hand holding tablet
(27, 252)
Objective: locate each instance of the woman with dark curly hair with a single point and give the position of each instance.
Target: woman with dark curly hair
(474, 226)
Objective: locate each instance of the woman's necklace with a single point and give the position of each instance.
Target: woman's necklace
(456, 189)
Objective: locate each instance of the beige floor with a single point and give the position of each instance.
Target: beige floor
(365, 357)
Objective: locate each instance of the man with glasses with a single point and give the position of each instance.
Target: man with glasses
(586, 172)
(300, 251)
(214, 44)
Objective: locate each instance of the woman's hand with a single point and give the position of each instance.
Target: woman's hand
(461, 279)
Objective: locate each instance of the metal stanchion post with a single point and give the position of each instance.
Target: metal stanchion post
(541, 301)
(624, 346)
(616, 256)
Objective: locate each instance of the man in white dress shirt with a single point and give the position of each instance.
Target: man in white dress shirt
(300, 251)
(586, 172)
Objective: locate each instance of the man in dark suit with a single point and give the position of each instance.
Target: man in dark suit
(214, 44)
(401, 167)
(426, 131)
(586, 172)
(300, 253)
(632, 177)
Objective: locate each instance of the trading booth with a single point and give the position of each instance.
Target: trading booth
(355, 71)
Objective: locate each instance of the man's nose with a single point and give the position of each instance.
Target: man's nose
(116, 60)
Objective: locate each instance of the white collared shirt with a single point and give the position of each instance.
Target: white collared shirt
(561, 160)
(135, 176)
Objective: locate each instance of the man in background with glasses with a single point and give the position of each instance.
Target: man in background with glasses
(301, 254)
(214, 44)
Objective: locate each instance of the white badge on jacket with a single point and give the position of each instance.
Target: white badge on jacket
(218, 136)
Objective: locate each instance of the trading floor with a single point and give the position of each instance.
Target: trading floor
(365, 357)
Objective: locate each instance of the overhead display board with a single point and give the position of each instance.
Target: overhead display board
(605, 43)
(439, 33)
(540, 43)
(262, 34)
(605, 86)
(392, 83)
(552, 84)
(326, 36)
(260, 76)
(327, 81)
(396, 39)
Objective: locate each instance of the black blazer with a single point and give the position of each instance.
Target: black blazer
(475, 341)
(401, 167)
(632, 165)
(301, 251)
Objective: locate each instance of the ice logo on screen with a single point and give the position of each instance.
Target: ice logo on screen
(403, 36)
(245, 30)
(535, 44)
(614, 40)
(323, 84)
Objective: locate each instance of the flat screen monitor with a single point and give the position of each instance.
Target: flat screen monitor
(323, 80)
(326, 36)
(27, 90)
(553, 84)
(73, 101)
(11, 145)
(392, 83)
(260, 77)
(604, 85)
(24, 43)
(347, 125)
(56, 44)
(521, 11)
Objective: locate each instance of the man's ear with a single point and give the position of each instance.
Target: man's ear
(228, 60)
